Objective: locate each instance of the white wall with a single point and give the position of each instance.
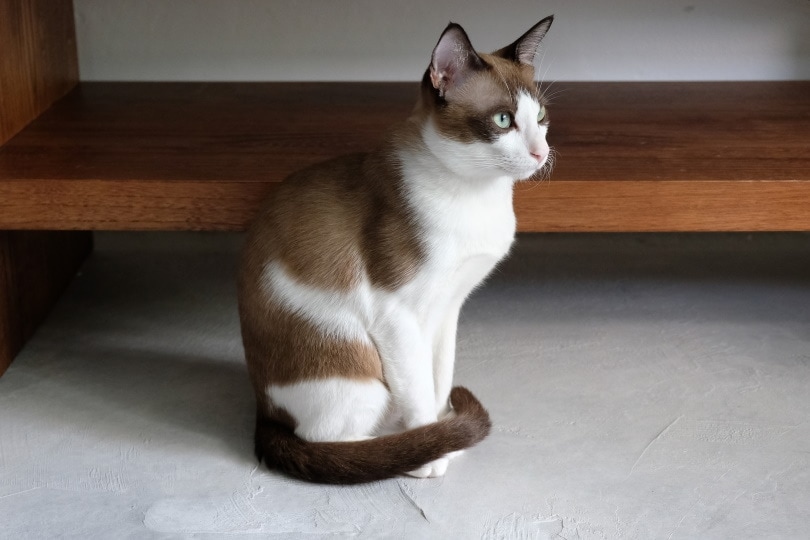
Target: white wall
(385, 40)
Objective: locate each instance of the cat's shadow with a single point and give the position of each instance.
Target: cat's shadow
(135, 396)
(123, 356)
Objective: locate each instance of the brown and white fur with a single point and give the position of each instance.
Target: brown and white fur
(354, 272)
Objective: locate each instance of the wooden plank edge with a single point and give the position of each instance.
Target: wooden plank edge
(663, 206)
(555, 206)
(130, 205)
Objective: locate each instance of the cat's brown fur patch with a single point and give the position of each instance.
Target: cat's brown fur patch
(390, 239)
(358, 199)
(371, 235)
(301, 352)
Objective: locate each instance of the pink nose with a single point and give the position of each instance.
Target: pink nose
(538, 157)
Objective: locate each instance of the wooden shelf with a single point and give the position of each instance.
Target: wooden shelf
(200, 156)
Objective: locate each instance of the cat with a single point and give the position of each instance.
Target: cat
(353, 274)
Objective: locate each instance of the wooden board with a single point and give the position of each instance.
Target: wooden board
(10, 341)
(200, 156)
(35, 268)
(38, 65)
(38, 60)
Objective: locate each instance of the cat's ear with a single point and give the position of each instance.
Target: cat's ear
(453, 60)
(525, 48)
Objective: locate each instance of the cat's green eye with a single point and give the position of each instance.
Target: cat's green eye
(542, 114)
(502, 119)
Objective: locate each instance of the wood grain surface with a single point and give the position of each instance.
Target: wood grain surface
(200, 156)
(38, 60)
(35, 268)
(38, 65)
(10, 341)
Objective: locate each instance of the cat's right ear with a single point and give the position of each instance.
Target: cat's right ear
(453, 60)
(525, 48)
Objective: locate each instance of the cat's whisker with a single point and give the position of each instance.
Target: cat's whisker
(543, 175)
(543, 88)
(548, 96)
(503, 79)
(534, 183)
(542, 58)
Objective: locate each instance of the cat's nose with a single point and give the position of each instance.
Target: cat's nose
(538, 156)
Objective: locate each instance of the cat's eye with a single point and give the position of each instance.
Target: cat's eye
(542, 114)
(502, 119)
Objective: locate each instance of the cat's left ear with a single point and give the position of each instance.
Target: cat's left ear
(524, 49)
(453, 60)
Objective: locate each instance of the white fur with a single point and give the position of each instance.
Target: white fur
(462, 196)
(325, 418)
(531, 137)
(342, 316)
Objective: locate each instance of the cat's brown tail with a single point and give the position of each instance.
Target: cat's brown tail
(373, 459)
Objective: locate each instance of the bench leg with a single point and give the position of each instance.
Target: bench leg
(35, 268)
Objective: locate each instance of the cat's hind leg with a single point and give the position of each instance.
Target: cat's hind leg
(333, 409)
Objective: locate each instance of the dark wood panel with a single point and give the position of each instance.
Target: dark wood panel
(35, 268)
(38, 65)
(10, 335)
(38, 62)
(201, 155)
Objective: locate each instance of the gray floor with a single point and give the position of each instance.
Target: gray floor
(640, 387)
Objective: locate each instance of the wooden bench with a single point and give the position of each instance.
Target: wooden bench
(79, 157)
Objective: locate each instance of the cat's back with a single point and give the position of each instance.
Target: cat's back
(310, 223)
(338, 223)
(318, 191)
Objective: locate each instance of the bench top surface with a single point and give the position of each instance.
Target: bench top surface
(260, 132)
(193, 144)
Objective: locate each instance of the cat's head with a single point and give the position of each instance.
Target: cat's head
(485, 115)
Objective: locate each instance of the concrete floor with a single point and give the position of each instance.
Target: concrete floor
(640, 386)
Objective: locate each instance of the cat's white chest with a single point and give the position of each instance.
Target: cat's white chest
(465, 233)
(468, 222)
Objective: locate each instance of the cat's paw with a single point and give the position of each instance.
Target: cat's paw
(433, 469)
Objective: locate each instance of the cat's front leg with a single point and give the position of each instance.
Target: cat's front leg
(444, 358)
(407, 358)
